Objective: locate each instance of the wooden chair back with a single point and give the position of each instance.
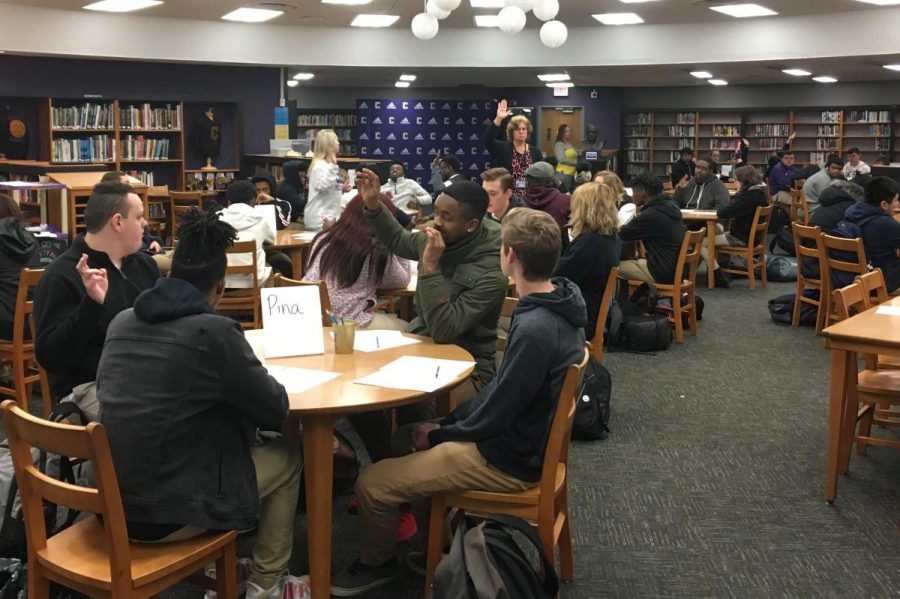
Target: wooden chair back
(157, 191)
(842, 255)
(243, 300)
(688, 258)
(808, 247)
(874, 287)
(849, 301)
(509, 306)
(799, 207)
(732, 186)
(759, 228)
(557, 451)
(609, 293)
(324, 300)
(807, 243)
(181, 202)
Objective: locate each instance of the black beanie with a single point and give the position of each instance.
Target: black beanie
(240, 192)
(471, 195)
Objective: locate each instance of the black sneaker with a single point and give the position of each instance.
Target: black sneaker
(722, 279)
(417, 561)
(357, 578)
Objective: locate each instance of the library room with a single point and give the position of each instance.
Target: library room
(270, 274)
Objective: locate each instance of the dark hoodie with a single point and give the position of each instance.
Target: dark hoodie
(509, 420)
(554, 203)
(18, 249)
(833, 203)
(742, 209)
(282, 207)
(181, 395)
(881, 238)
(660, 227)
(292, 189)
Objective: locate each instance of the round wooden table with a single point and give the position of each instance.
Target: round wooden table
(296, 243)
(318, 409)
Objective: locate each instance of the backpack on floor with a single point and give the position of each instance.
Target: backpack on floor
(781, 309)
(781, 268)
(634, 324)
(486, 562)
(592, 410)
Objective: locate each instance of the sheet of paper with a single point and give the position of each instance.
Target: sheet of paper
(292, 321)
(416, 373)
(888, 310)
(371, 340)
(305, 235)
(267, 211)
(298, 380)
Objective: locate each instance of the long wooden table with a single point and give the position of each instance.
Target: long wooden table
(296, 243)
(710, 218)
(318, 409)
(865, 333)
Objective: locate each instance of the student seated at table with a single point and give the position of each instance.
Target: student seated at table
(659, 227)
(151, 243)
(742, 209)
(880, 232)
(181, 396)
(97, 277)
(595, 247)
(264, 182)
(354, 264)
(494, 442)
(18, 250)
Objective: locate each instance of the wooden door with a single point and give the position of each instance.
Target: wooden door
(552, 118)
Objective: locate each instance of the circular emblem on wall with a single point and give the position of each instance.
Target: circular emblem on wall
(17, 128)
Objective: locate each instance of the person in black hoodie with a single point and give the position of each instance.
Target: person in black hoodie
(264, 182)
(293, 188)
(834, 200)
(18, 250)
(880, 232)
(659, 226)
(495, 441)
(743, 206)
(181, 396)
(595, 247)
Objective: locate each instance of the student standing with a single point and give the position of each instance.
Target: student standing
(325, 184)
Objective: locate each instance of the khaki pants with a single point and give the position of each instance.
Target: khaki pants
(389, 322)
(635, 269)
(782, 198)
(382, 488)
(721, 239)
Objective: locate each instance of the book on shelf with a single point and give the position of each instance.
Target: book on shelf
(638, 144)
(637, 156)
(867, 116)
(644, 118)
(314, 120)
(97, 148)
(828, 131)
(681, 131)
(686, 118)
(639, 131)
(345, 120)
(831, 116)
(772, 131)
(145, 116)
(85, 116)
(726, 131)
(140, 148)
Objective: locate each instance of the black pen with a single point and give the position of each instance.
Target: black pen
(437, 371)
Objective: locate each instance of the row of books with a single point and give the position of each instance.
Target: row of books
(147, 117)
(342, 134)
(638, 144)
(724, 144)
(726, 130)
(827, 143)
(97, 148)
(879, 130)
(637, 156)
(867, 116)
(326, 120)
(644, 118)
(145, 177)
(680, 131)
(86, 116)
(639, 130)
(686, 118)
(831, 116)
(772, 130)
(828, 130)
(141, 148)
(769, 143)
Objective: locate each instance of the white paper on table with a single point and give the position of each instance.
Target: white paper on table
(292, 321)
(298, 380)
(305, 235)
(416, 373)
(888, 310)
(369, 340)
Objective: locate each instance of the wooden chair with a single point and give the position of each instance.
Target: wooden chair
(799, 207)
(875, 293)
(509, 306)
(324, 301)
(19, 351)
(840, 255)
(158, 196)
(755, 252)
(808, 244)
(545, 505)
(609, 293)
(244, 301)
(685, 282)
(93, 558)
(181, 202)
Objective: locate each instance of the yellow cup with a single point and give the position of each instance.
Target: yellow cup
(344, 335)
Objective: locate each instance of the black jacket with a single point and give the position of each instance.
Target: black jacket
(680, 168)
(660, 227)
(18, 250)
(502, 151)
(742, 210)
(181, 395)
(586, 262)
(881, 238)
(292, 189)
(282, 207)
(509, 420)
(71, 326)
(833, 203)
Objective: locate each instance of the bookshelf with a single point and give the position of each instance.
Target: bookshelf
(310, 122)
(718, 131)
(638, 142)
(869, 130)
(151, 141)
(81, 131)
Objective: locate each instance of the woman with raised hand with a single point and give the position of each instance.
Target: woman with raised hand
(517, 154)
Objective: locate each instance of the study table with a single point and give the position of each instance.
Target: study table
(296, 243)
(318, 409)
(869, 332)
(710, 218)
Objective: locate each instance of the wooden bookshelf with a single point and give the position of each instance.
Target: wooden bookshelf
(310, 122)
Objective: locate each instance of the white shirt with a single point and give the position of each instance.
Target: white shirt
(851, 171)
(325, 187)
(404, 190)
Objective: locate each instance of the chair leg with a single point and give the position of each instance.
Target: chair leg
(545, 533)
(435, 540)
(795, 318)
(566, 557)
(692, 315)
(18, 376)
(38, 586)
(763, 274)
(864, 427)
(226, 573)
(751, 271)
(676, 316)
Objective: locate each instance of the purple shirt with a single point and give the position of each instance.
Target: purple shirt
(781, 178)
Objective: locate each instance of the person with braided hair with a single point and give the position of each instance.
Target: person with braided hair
(182, 397)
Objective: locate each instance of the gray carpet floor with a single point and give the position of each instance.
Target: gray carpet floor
(711, 483)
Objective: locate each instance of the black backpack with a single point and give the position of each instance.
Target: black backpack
(592, 407)
(486, 562)
(634, 324)
(781, 309)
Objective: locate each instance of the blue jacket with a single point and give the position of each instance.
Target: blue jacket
(881, 238)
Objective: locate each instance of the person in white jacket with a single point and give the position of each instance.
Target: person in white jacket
(404, 191)
(325, 184)
(249, 224)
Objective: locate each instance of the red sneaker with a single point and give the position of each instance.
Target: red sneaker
(406, 526)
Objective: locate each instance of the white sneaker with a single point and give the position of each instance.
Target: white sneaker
(287, 587)
(243, 573)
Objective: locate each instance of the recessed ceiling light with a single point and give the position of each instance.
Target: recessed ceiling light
(487, 3)
(487, 21)
(742, 11)
(292, 83)
(796, 72)
(347, 2)
(717, 82)
(881, 2)
(825, 79)
(619, 18)
(635, 1)
(560, 84)
(554, 77)
(252, 15)
(407, 77)
(304, 76)
(402, 84)
(701, 74)
(892, 67)
(374, 20)
(122, 5)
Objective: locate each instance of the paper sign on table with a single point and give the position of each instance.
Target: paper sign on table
(371, 340)
(292, 321)
(298, 380)
(416, 373)
(888, 310)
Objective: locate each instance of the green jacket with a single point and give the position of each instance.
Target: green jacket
(460, 304)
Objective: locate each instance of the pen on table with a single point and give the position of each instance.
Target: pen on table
(437, 371)
(377, 342)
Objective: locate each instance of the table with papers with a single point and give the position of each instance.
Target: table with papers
(296, 243)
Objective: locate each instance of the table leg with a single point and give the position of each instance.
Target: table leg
(297, 262)
(710, 253)
(840, 364)
(851, 406)
(318, 430)
(406, 307)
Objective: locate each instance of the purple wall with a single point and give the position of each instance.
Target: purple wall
(253, 89)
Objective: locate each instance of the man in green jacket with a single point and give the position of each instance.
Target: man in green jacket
(460, 288)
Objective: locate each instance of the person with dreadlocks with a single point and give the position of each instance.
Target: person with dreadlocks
(182, 396)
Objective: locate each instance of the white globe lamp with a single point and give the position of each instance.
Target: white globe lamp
(436, 11)
(554, 34)
(424, 26)
(546, 10)
(511, 20)
(448, 4)
(525, 5)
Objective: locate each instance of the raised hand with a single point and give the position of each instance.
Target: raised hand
(94, 279)
(684, 182)
(369, 188)
(437, 158)
(502, 111)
